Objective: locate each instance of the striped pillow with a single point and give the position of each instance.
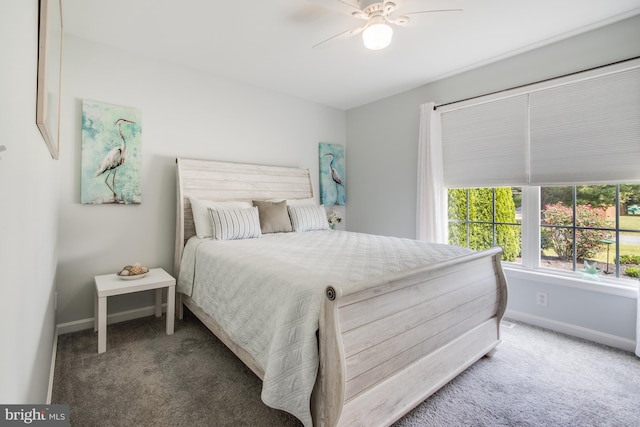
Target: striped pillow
(308, 218)
(201, 218)
(233, 224)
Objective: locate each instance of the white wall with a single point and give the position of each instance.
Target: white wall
(28, 215)
(382, 164)
(185, 113)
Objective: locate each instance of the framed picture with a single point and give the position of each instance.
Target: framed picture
(111, 154)
(332, 185)
(49, 66)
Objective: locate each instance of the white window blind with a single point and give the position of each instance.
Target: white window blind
(485, 145)
(587, 132)
(579, 129)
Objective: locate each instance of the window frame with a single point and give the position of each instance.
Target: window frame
(531, 255)
(531, 187)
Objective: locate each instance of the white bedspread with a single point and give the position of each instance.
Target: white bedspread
(266, 294)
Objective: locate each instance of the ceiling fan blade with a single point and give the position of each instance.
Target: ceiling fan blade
(360, 14)
(433, 11)
(351, 32)
(350, 4)
(358, 30)
(356, 13)
(404, 19)
(400, 20)
(341, 7)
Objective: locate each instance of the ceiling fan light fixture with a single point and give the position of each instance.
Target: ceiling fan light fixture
(377, 36)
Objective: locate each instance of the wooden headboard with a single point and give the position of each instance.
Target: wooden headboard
(222, 181)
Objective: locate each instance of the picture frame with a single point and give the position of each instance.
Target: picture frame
(111, 154)
(49, 73)
(332, 176)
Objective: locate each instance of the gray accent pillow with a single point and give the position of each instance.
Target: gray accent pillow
(274, 217)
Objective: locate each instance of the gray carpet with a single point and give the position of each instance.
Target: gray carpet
(146, 378)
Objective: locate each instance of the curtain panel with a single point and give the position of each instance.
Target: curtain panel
(431, 206)
(638, 324)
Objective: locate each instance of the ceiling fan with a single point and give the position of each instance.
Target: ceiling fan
(377, 31)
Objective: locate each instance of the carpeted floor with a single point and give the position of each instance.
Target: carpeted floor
(146, 378)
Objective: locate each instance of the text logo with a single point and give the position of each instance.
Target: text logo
(35, 415)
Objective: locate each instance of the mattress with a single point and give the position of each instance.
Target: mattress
(266, 294)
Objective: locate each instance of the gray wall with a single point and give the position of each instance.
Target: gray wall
(383, 144)
(28, 215)
(185, 113)
(383, 136)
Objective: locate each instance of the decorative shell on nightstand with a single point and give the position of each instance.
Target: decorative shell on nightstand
(135, 271)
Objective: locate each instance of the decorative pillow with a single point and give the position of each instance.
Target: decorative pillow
(201, 218)
(273, 216)
(234, 224)
(301, 202)
(308, 218)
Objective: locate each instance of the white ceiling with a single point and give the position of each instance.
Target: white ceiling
(268, 43)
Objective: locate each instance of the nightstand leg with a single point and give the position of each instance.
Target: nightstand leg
(171, 304)
(158, 302)
(102, 324)
(95, 311)
(179, 306)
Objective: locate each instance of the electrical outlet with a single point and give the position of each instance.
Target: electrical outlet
(541, 299)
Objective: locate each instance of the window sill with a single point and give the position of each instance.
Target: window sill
(553, 278)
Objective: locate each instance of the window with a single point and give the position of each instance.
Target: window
(588, 230)
(558, 161)
(480, 218)
(593, 229)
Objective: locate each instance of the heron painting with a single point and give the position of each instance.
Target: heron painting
(111, 154)
(332, 183)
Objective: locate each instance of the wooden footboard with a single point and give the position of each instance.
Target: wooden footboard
(386, 345)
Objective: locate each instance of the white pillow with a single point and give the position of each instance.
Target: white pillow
(301, 202)
(308, 218)
(201, 218)
(234, 224)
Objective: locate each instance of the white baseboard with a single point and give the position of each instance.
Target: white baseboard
(573, 330)
(53, 366)
(79, 325)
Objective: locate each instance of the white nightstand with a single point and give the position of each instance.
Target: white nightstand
(110, 284)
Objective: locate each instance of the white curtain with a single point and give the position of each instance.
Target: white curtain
(431, 209)
(638, 325)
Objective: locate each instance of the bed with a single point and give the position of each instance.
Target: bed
(362, 345)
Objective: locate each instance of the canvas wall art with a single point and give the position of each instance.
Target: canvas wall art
(111, 154)
(332, 185)
(49, 60)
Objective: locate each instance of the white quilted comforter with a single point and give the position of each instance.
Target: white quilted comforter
(266, 294)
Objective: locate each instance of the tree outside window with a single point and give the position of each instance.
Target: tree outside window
(480, 218)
